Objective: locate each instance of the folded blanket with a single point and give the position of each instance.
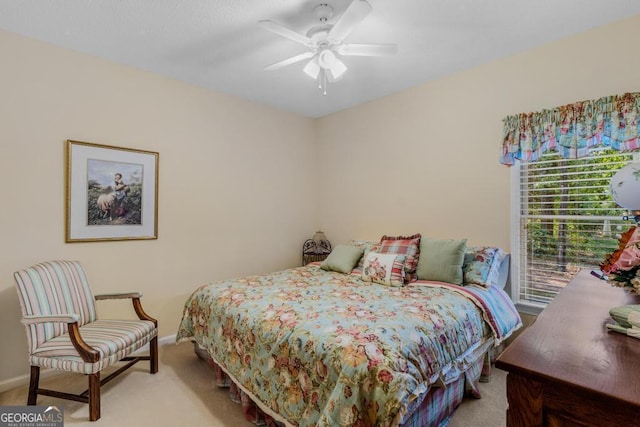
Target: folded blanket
(497, 308)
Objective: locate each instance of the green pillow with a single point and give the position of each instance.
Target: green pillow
(441, 260)
(342, 259)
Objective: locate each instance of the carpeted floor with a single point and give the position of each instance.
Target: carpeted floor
(182, 394)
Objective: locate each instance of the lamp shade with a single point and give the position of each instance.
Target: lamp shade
(625, 187)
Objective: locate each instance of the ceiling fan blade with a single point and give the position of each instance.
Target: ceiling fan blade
(368, 49)
(286, 32)
(355, 13)
(289, 61)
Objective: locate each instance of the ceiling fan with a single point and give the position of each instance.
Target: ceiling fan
(325, 42)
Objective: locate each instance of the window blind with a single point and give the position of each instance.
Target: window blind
(567, 220)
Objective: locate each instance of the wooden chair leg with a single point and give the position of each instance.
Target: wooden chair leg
(153, 355)
(33, 385)
(94, 396)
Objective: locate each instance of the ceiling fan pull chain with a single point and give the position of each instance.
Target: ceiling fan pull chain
(324, 75)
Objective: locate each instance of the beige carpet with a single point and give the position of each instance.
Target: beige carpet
(182, 394)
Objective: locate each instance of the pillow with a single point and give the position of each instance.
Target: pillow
(385, 269)
(442, 260)
(342, 259)
(482, 265)
(368, 246)
(408, 246)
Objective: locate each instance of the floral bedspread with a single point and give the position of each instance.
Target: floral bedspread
(324, 348)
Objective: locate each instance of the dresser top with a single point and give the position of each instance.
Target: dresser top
(569, 342)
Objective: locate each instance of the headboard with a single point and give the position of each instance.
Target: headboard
(504, 279)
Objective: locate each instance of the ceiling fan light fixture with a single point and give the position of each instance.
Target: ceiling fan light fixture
(325, 42)
(327, 59)
(312, 69)
(338, 69)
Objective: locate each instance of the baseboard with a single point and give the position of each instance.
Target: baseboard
(22, 380)
(169, 339)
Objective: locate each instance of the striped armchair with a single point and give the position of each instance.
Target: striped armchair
(64, 332)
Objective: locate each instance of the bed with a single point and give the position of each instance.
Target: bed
(307, 346)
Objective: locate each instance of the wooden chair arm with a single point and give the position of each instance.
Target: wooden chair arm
(137, 306)
(119, 296)
(86, 352)
(135, 299)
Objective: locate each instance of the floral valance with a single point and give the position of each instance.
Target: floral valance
(573, 130)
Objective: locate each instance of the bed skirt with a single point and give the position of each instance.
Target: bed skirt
(435, 409)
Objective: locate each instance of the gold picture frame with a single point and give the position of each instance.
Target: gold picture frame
(112, 193)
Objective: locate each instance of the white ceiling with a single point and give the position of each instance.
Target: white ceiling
(217, 43)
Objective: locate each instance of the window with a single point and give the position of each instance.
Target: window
(563, 219)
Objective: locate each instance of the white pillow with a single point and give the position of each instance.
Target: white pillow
(385, 269)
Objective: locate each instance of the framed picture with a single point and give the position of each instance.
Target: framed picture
(112, 193)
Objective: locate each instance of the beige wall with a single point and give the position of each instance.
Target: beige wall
(236, 181)
(426, 160)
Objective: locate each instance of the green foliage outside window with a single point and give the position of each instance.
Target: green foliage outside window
(569, 219)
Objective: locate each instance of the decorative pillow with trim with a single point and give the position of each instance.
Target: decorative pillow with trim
(408, 246)
(385, 269)
(482, 265)
(342, 259)
(367, 246)
(442, 260)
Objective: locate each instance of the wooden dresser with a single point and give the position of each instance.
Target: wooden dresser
(567, 369)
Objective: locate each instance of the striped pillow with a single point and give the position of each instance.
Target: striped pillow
(409, 246)
(385, 269)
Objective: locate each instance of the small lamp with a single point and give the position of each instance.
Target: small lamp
(316, 249)
(625, 190)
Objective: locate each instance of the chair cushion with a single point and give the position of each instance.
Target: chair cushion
(114, 339)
